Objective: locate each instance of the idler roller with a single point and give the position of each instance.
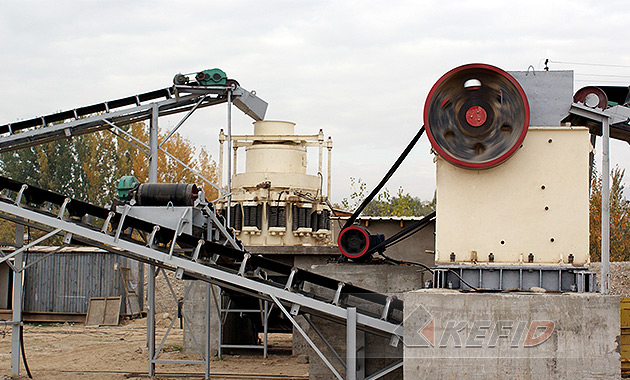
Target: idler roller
(476, 116)
(162, 194)
(354, 242)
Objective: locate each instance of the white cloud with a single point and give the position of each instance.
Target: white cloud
(360, 70)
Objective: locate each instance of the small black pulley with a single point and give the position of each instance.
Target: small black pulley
(476, 116)
(354, 242)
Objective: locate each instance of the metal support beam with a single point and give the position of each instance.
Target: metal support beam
(604, 117)
(323, 338)
(229, 159)
(329, 174)
(17, 304)
(190, 112)
(351, 344)
(21, 249)
(360, 355)
(153, 144)
(153, 178)
(306, 337)
(151, 318)
(266, 313)
(385, 371)
(207, 345)
(221, 153)
(605, 235)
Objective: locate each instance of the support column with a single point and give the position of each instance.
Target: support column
(351, 344)
(229, 159)
(153, 178)
(207, 346)
(605, 205)
(234, 160)
(591, 161)
(329, 146)
(221, 141)
(151, 318)
(153, 145)
(360, 355)
(320, 148)
(17, 304)
(265, 328)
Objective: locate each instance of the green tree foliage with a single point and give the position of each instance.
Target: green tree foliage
(384, 204)
(88, 167)
(619, 218)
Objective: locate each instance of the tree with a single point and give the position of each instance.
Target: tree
(384, 204)
(619, 218)
(169, 170)
(88, 167)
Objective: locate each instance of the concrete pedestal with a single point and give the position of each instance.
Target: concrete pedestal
(194, 310)
(452, 335)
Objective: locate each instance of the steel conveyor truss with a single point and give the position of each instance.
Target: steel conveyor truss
(131, 109)
(206, 259)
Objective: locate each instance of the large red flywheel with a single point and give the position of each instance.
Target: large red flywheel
(476, 116)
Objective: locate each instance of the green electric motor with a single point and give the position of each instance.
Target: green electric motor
(125, 185)
(211, 77)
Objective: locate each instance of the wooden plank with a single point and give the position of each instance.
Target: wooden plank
(44, 317)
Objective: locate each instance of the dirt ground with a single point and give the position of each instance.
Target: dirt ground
(56, 352)
(619, 277)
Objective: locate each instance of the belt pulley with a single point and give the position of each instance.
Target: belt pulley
(476, 116)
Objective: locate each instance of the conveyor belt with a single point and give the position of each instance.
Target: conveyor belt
(206, 260)
(76, 113)
(118, 112)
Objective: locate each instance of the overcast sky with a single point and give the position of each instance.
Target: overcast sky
(359, 70)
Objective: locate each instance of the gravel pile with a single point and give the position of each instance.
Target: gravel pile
(619, 277)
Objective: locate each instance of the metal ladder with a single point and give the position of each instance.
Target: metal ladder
(206, 260)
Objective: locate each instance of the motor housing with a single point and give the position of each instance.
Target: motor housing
(355, 242)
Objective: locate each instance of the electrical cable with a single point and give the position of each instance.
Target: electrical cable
(602, 75)
(427, 268)
(28, 371)
(589, 64)
(389, 174)
(599, 81)
(25, 258)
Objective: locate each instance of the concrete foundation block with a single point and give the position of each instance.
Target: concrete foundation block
(452, 335)
(194, 311)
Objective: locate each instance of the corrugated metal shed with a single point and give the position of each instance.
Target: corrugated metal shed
(65, 281)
